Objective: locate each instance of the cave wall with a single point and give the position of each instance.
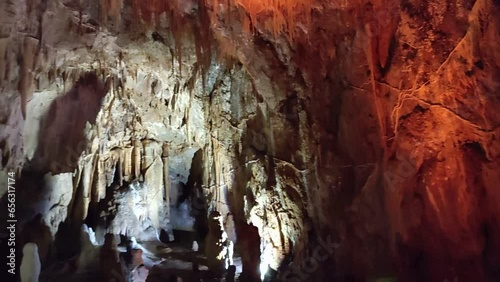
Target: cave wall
(395, 109)
(373, 129)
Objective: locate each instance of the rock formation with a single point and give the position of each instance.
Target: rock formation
(370, 125)
(110, 268)
(139, 272)
(30, 265)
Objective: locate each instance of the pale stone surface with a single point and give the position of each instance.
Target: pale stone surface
(58, 194)
(89, 255)
(30, 264)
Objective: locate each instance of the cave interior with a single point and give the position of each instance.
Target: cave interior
(250, 140)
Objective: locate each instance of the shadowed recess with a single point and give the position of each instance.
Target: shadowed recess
(61, 138)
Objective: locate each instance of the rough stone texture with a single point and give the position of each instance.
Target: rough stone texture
(215, 249)
(374, 127)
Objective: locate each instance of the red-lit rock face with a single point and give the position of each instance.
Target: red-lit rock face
(358, 144)
(401, 102)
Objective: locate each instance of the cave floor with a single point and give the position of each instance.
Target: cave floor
(163, 260)
(167, 259)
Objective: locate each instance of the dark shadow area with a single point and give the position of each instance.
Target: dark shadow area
(61, 137)
(195, 192)
(249, 247)
(36, 231)
(68, 240)
(99, 217)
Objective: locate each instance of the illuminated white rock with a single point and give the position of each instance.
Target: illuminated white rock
(30, 265)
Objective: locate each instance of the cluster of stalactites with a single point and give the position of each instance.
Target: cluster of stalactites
(191, 20)
(275, 16)
(187, 19)
(142, 160)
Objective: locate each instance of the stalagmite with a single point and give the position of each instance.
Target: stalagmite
(94, 191)
(90, 252)
(77, 176)
(30, 265)
(110, 268)
(195, 246)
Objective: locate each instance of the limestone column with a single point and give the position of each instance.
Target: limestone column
(119, 166)
(153, 181)
(127, 164)
(101, 179)
(166, 179)
(137, 155)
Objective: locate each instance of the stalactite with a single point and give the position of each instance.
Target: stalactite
(203, 39)
(111, 166)
(284, 13)
(101, 179)
(128, 164)
(145, 160)
(115, 7)
(181, 25)
(77, 179)
(110, 8)
(88, 174)
(372, 55)
(87, 178)
(26, 71)
(103, 11)
(94, 191)
(279, 16)
(136, 158)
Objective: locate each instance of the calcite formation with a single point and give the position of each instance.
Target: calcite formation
(30, 265)
(371, 125)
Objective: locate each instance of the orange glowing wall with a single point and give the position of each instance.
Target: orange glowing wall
(275, 16)
(283, 14)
